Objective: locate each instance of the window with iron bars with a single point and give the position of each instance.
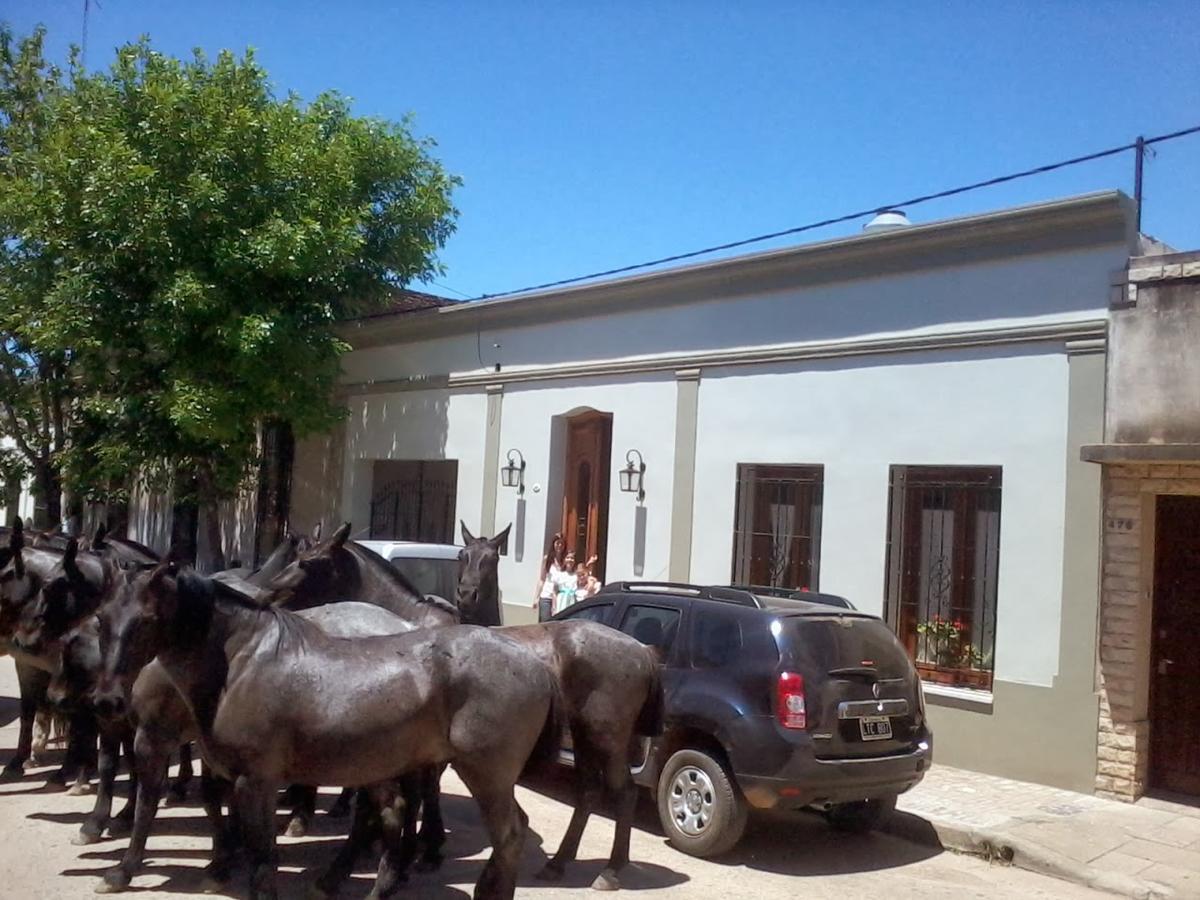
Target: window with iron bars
(943, 557)
(777, 526)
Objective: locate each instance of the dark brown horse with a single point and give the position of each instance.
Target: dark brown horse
(278, 701)
(610, 683)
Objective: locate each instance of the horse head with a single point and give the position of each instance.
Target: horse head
(130, 625)
(68, 593)
(478, 577)
(324, 572)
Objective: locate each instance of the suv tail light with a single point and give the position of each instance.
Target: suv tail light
(790, 707)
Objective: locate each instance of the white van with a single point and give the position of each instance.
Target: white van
(432, 568)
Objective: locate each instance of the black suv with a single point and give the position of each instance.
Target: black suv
(771, 702)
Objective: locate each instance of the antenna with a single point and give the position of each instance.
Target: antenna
(87, 8)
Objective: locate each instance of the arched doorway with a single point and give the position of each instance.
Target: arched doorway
(586, 485)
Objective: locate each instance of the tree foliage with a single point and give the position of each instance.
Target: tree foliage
(189, 241)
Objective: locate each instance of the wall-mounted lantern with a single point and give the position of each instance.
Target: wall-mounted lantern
(632, 476)
(514, 473)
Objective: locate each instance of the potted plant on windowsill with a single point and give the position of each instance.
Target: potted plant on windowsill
(947, 656)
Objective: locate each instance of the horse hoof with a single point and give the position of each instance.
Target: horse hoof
(12, 774)
(115, 881)
(606, 881)
(296, 828)
(177, 793)
(80, 789)
(550, 872)
(85, 836)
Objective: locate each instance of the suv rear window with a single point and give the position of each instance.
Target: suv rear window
(829, 642)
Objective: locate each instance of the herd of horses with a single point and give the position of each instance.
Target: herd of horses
(323, 667)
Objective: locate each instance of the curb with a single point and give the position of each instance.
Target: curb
(994, 844)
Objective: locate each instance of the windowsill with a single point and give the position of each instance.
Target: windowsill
(969, 699)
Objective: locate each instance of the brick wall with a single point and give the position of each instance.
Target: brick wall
(1124, 653)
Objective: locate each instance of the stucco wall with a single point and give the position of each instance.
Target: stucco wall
(997, 408)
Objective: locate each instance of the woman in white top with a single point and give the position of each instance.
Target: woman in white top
(566, 583)
(552, 564)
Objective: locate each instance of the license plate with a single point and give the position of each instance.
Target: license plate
(875, 728)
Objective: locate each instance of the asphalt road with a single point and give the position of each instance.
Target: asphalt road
(794, 856)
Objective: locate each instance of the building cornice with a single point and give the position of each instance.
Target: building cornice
(1088, 220)
(1090, 333)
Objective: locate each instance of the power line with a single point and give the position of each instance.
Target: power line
(848, 217)
(446, 287)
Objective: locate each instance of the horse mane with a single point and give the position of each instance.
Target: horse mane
(211, 592)
(386, 569)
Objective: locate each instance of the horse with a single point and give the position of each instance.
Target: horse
(277, 701)
(23, 573)
(613, 693)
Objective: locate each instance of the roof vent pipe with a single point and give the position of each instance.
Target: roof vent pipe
(887, 220)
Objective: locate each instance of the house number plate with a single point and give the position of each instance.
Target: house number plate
(875, 728)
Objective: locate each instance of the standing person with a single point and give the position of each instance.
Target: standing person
(566, 584)
(552, 564)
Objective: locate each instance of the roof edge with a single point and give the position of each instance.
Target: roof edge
(1084, 220)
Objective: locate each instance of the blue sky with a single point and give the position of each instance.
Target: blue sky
(593, 135)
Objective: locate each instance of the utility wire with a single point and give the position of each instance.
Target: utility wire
(836, 220)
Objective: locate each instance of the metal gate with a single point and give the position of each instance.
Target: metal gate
(418, 506)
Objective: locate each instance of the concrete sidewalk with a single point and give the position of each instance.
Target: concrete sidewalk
(1150, 849)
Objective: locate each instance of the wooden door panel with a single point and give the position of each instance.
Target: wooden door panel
(585, 498)
(1175, 665)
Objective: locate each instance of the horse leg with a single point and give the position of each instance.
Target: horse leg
(122, 822)
(621, 787)
(151, 759)
(505, 825)
(81, 752)
(362, 834)
(587, 793)
(33, 683)
(433, 830)
(397, 802)
(255, 800)
(179, 787)
(213, 790)
(42, 726)
(303, 809)
(93, 825)
(341, 806)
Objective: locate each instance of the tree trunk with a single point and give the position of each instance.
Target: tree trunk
(184, 517)
(47, 492)
(212, 526)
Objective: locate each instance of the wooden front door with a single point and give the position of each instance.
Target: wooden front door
(585, 495)
(1175, 672)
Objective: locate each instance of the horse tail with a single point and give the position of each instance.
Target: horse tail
(549, 742)
(650, 717)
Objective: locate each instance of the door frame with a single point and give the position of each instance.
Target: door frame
(1155, 776)
(596, 540)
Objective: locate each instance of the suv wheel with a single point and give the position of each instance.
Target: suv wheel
(700, 807)
(860, 816)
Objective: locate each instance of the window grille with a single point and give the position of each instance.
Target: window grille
(777, 526)
(943, 554)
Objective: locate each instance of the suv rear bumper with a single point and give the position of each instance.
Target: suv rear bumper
(807, 781)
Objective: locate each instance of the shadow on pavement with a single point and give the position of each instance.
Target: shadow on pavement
(10, 710)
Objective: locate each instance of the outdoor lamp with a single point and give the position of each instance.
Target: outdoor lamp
(631, 476)
(514, 473)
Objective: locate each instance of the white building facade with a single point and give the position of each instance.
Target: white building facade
(896, 417)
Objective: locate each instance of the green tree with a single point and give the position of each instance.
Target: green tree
(35, 385)
(202, 238)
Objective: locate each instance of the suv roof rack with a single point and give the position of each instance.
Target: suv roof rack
(711, 592)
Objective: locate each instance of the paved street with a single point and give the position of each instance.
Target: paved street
(796, 856)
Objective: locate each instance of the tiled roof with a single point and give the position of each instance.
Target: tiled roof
(406, 301)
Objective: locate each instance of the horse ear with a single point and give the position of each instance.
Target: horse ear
(16, 540)
(340, 536)
(500, 541)
(99, 536)
(70, 566)
(467, 536)
(316, 533)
